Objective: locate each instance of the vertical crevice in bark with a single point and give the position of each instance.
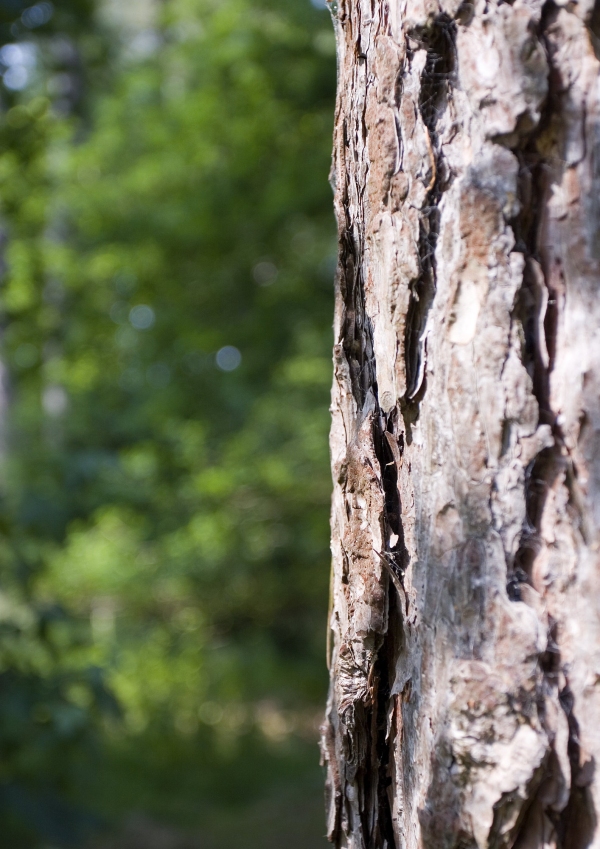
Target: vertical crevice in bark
(369, 726)
(357, 338)
(532, 311)
(438, 40)
(383, 832)
(389, 446)
(575, 825)
(354, 734)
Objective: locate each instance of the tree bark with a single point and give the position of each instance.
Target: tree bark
(464, 706)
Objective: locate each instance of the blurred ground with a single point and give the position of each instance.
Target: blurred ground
(291, 820)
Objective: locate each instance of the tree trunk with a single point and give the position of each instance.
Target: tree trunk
(464, 707)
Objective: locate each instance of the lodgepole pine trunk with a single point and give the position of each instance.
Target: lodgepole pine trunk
(464, 707)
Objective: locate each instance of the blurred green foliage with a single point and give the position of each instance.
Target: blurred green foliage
(168, 249)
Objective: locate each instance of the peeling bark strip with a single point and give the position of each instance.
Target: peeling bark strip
(464, 708)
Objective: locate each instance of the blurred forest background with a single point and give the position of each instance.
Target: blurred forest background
(167, 261)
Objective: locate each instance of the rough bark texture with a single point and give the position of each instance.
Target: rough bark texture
(464, 708)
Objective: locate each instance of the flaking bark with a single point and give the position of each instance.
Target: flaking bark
(464, 707)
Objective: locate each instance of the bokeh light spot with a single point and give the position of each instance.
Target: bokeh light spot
(228, 358)
(17, 54)
(16, 77)
(54, 400)
(38, 15)
(141, 317)
(265, 273)
(18, 59)
(210, 713)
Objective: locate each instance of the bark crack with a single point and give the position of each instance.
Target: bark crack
(438, 40)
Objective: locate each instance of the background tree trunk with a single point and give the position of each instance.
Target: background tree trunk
(464, 708)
